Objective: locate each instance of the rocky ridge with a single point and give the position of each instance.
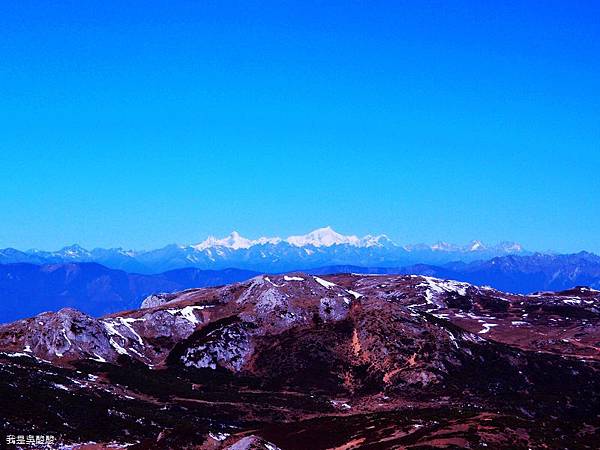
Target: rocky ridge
(386, 361)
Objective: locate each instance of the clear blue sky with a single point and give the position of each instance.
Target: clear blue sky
(139, 124)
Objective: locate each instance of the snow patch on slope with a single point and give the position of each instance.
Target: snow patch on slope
(287, 278)
(326, 284)
(188, 312)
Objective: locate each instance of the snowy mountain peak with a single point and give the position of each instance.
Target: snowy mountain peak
(323, 237)
(74, 251)
(476, 246)
(234, 241)
(376, 241)
(510, 247)
(327, 237)
(443, 247)
(321, 247)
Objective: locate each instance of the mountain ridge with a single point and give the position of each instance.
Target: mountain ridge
(27, 289)
(323, 246)
(300, 361)
(95, 289)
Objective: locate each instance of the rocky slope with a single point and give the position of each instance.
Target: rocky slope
(299, 361)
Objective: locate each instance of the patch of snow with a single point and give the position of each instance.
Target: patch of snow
(117, 347)
(472, 337)
(441, 315)
(127, 322)
(324, 283)
(588, 289)
(64, 333)
(110, 327)
(340, 404)
(487, 327)
(440, 286)
(98, 358)
(218, 436)
(354, 294)
(274, 284)
(16, 354)
(188, 312)
(112, 331)
(452, 338)
(287, 278)
(435, 286)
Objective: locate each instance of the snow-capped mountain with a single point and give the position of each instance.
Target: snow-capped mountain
(234, 241)
(321, 237)
(320, 247)
(328, 237)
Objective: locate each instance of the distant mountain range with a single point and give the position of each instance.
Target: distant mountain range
(27, 289)
(516, 274)
(318, 248)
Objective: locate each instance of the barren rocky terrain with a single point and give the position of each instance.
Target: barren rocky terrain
(305, 362)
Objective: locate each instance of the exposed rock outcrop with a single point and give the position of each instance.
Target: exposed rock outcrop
(302, 361)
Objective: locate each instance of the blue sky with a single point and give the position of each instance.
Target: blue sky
(138, 124)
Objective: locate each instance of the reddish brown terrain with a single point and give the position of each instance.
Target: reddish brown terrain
(302, 362)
